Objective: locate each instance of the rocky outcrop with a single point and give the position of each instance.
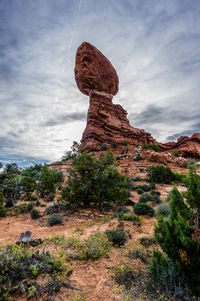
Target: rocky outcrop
(106, 122)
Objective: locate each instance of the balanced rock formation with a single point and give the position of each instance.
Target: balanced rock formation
(106, 122)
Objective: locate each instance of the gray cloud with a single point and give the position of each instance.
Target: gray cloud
(65, 118)
(195, 128)
(154, 46)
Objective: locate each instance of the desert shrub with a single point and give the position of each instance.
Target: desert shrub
(167, 274)
(30, 206)
(193, 191)
(119, 213)
(145, 197)
(114, 144)
(132, 217)
(117, 237)
(46, 185)
(139, 190)
(54, 219)
(141, 169)
(55, 208)
(103, 147)
(176, 153)
(155, 199)
(137, 157)
(164, 209)
(155, 192)
(18, 263)
(143, 209)
(145, 146)
(155, 147)
(35, 213)
(175, 237)
(74, 152)
(125, 143)
(95, 246)
(147, 241)
(152, 185)
(2, 208)
(125, 275)
(138, 252)
(28, 185)
(97, 181)
(161, 174)
(136, 178)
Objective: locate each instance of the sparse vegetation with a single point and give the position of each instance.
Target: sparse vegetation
(176, 153)
(103, 147)
(54, 219)
(2, 208)
(164, 209)
(117, 237)
(144, 209)
(35, 213)
(161, 174)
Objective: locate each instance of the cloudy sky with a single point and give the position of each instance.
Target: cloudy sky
(153, 44)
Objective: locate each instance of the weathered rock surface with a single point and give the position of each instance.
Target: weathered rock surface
(106, 122)
(93, 71)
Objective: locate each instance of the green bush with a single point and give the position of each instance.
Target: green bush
(35, 213)
(164, 209)
(19, 265)
(117, 237)
(54, 219)
(136, 178)
(138, 252)
(97, 181)
(46, 185)
(143, 209)
(131, 217)
(175, 236)
(176, 153)
(145, 146)
(155, 147)
(95, 246)
(125, 143)
(145, 197)
(103, 147)
(161, 174)
(120, 212)
(2, 208)
(147, 241)
(167, 275)
(125, 275)
(114, 144)
(139, 190)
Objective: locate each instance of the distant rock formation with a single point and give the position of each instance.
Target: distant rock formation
(106, 122)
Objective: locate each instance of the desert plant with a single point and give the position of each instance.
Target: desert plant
(136, 178)
(103, 147)
(97, 181)
(176, 153)
(95, 246)
(35, 213)
(125, 143)
(155, 147)
(147, 241)
(164, 209)
(132, 217)
(2, 208)
(138, 252)
(46, 184)
(161, 174)
(125, 275)
(119, 213)
(54, 219)
(143, 209)
(117, 237)
(139, 190)
(145, 197)
(114, 144)
(175, 236)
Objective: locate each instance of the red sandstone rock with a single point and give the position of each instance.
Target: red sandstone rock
(106, 122)
(93, 71)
